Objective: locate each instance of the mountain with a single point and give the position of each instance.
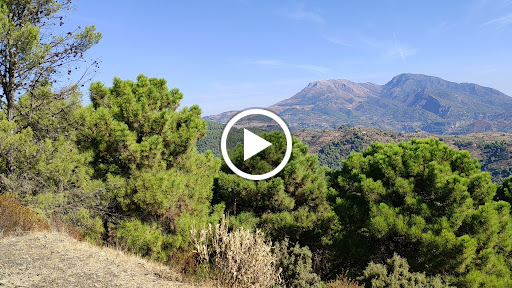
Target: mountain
(407, 103)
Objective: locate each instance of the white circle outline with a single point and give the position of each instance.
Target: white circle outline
(274, 117)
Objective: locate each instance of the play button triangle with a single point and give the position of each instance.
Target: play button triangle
(253, 144)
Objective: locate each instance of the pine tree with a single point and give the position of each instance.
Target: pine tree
(428, 203)
(293, 204)
(143, 147)
(32, 52)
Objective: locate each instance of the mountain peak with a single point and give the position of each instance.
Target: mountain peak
(335, 92)
(408, 102)
(403, 78)
(336, 83)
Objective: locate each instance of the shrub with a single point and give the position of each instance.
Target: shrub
(51, 176)
(239, 258)
(396, 274)
(91, 228)
(343, 282)
(296, 265)
(141, 239)
(15, 217)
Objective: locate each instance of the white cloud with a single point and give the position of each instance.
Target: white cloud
(391, 49)
(500, 21)
(313, 68)
(400, 50)
(337, 41)
(301, 14)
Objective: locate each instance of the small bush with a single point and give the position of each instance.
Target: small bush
(343, 282)
(396, 274)
(15, 217)
(67, 228)
(296, 266)
(141, 239)
(239, 258)
(90, 228)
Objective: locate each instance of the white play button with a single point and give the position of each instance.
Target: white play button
(253, 144)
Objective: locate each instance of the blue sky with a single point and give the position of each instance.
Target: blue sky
(235, 54)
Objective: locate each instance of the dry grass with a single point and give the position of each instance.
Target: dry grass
(57, 260)
(16, 218)
(239, 258)
(32, 258)
(67, 228)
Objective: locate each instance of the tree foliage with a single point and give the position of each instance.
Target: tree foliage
(52, 176)
(143, 148)
(32, 51)
(333, 153)
(504, 191)
(428, 203)
(50, 114)
(293, 204)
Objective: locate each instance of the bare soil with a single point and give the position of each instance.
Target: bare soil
(51, 259)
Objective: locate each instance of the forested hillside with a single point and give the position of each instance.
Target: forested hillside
(492, 149)
(211, 141)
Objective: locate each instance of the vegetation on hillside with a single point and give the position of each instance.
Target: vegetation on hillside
(493, 150)
(125, 171)
(211, 141)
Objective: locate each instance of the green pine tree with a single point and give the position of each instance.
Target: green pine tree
(143, 148)
(292, 205)
(430, 204)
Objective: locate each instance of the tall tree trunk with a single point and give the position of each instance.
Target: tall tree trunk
(10, 86)
(9, 159)
(10, 105)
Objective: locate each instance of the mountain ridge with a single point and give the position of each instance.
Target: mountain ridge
(407, 103)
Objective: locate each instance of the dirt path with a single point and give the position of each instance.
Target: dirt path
(56, 260)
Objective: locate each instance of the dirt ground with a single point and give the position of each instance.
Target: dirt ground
(56, 260)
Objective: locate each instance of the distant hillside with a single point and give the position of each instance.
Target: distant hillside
(211, 141)
(492, 149)
(407, 103)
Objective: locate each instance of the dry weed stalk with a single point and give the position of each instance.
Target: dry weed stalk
(239, 258)
(344, 282)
